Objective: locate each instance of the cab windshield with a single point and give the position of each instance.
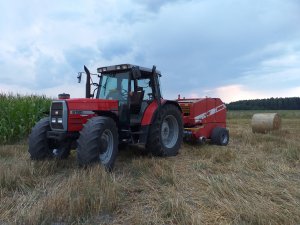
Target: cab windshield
(114, 86)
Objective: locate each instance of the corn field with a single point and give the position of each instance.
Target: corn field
(18, 114)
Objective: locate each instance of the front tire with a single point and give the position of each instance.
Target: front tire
(98, 142)
(166, 132)
(40, 147)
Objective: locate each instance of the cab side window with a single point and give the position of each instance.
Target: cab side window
(145, 84)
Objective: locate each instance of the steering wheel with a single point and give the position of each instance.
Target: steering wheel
(115, 95)
(124, 94)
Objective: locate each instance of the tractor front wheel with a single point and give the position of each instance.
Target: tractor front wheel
(40, 147)
(98, 142)
(166, 132)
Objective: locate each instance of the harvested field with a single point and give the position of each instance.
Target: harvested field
(253, 180)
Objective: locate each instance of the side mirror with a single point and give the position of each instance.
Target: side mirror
(79, 77)
(136, 73)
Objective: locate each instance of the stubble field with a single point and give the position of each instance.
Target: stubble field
(253, 180)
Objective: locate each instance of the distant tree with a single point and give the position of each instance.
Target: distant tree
(266, 104)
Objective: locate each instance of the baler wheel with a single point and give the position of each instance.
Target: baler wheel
(98, 142)
(166, 133)
(220, 136)
(40, 147)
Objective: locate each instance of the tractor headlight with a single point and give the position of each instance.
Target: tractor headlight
(59, 115)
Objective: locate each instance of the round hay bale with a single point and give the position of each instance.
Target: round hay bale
(265, 122)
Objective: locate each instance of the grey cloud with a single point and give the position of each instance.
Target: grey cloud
(76, 57)
(49, 73)
(66, 15)
(202, 50)
(197, 45)
(115, 48)
(155, 5)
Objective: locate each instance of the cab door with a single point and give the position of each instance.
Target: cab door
(123, 85)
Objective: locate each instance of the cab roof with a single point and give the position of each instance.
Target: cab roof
(121, 67)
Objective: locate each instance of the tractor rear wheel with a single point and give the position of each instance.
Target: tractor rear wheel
(220, 136)
(98, 142)
(166, 133)
(40, 147)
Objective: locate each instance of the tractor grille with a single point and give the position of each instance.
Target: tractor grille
(56, 118)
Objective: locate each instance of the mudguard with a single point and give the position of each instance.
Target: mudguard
(153, 108)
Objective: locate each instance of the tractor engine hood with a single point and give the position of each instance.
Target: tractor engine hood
(76, 105)
(71, 114)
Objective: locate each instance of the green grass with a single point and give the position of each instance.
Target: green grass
(18, 114)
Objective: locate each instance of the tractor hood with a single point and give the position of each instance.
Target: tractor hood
(71, 114)
(86, 104)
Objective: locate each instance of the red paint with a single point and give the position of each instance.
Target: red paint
(92, 104)
(202, 115)
(149, 112)
(76, 121)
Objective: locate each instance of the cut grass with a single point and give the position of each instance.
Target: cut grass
(253, 180)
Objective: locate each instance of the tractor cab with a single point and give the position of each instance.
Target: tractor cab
(134, 87)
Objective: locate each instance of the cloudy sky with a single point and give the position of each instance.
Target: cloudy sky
(230, 49)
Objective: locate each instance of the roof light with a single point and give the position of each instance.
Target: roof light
(124, 67)
(102, 69)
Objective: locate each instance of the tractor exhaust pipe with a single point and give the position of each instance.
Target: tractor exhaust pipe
(87, 85)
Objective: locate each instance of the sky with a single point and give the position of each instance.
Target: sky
(230, 49)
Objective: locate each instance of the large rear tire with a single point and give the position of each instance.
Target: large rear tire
(98, 142)
(166, 133)
(40, 147)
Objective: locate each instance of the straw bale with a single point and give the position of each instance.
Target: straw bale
(265, 122)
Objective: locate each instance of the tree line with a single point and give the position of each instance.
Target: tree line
(266, 104)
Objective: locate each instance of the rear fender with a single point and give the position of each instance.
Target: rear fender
(150, 115)
(153, 108)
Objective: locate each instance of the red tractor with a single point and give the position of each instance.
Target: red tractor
(126, 107)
